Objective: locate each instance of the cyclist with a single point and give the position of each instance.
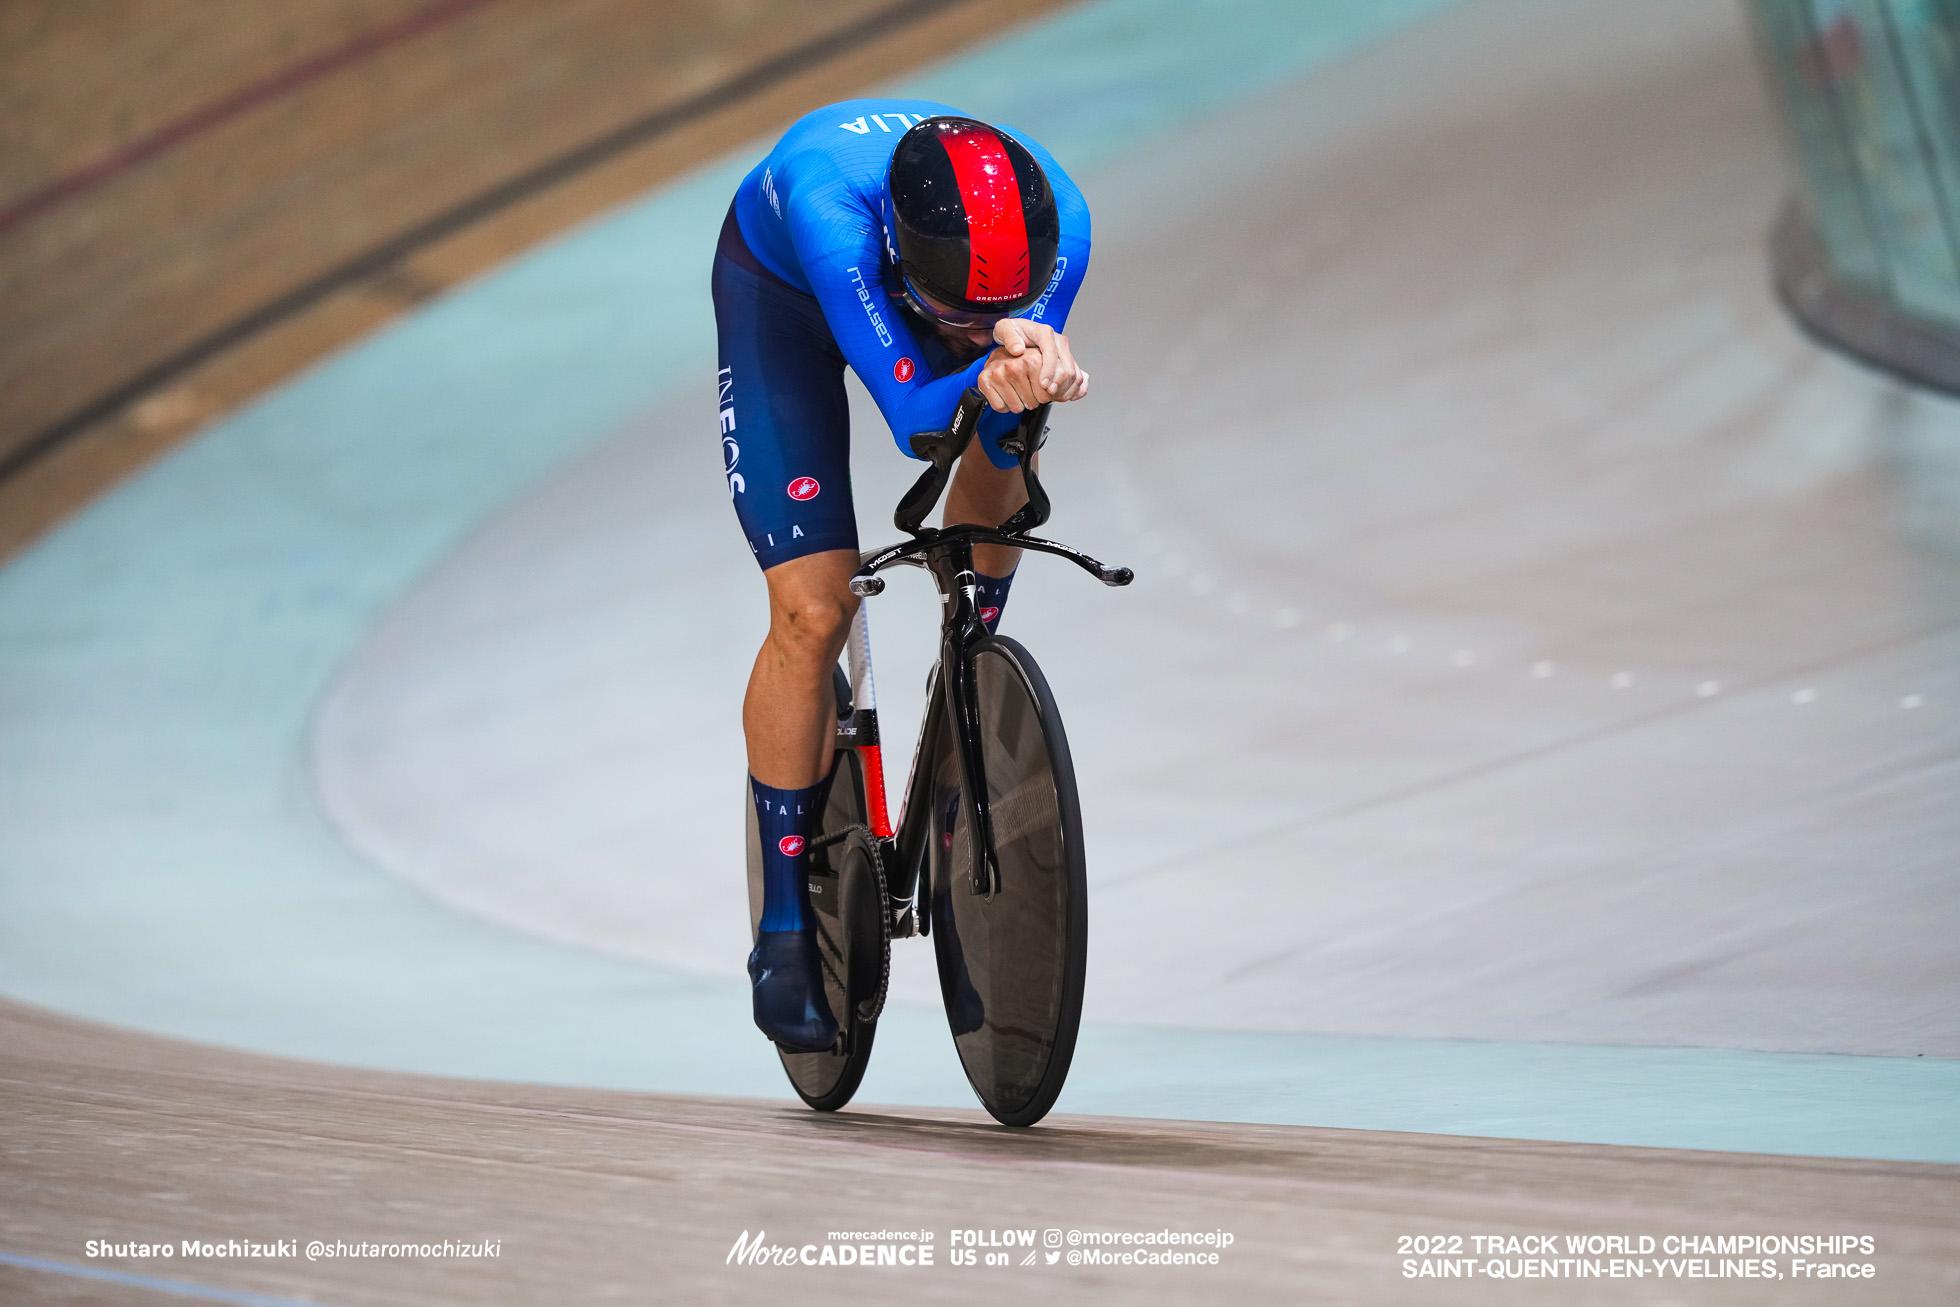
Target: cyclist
(929, 252)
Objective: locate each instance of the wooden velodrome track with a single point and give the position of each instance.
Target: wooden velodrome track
(639, 1198)
(197, 199)
(148, 294)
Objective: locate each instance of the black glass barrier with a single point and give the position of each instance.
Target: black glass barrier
(1867, 254)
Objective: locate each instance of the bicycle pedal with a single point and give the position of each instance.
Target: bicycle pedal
(905, 922)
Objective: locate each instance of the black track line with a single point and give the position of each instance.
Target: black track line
(502, 196)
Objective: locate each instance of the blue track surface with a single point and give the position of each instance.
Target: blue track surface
(155, 1284)
(164, 865)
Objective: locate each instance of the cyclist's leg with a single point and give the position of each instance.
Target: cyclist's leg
(786, 449)
(785, 430)
(789, 716)
(986, 494)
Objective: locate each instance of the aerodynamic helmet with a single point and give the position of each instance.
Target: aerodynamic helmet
(971, 223)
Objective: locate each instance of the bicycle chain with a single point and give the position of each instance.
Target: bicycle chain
(884, 927)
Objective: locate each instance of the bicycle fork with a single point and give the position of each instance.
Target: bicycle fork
(948, 554)
(952, 708)
(952, 569)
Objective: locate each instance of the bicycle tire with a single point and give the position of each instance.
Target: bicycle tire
(1011, 967)
(847, 902)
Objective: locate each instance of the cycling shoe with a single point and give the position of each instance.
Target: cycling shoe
(787, 977)
(965, 1012)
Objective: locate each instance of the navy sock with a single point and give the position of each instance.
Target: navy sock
(990, 593)
(785, 818)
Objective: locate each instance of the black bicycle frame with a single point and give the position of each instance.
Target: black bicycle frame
(948, 554)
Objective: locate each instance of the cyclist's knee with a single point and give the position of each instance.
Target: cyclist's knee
(811, 604)
(816, 624)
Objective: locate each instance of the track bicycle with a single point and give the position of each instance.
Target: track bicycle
(986, 857)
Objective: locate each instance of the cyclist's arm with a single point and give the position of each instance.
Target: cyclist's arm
(840, 249)
(1071, 265)
(842, 258)
(880, 347)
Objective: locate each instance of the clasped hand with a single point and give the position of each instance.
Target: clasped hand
(1030, 366)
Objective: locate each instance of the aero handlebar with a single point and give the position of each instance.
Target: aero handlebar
(942, 449)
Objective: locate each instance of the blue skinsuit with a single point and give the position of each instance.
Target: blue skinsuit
(799, 295)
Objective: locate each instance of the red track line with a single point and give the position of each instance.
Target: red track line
(243, 100)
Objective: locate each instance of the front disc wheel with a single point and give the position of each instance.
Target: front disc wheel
(1012, 966)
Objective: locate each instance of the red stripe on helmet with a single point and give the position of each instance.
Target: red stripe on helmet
(997, 231)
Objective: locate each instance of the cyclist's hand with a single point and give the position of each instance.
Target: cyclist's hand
(1062, 378)
(1032, 366)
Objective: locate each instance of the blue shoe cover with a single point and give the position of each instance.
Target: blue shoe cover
(965, 1012)
(787, 977)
